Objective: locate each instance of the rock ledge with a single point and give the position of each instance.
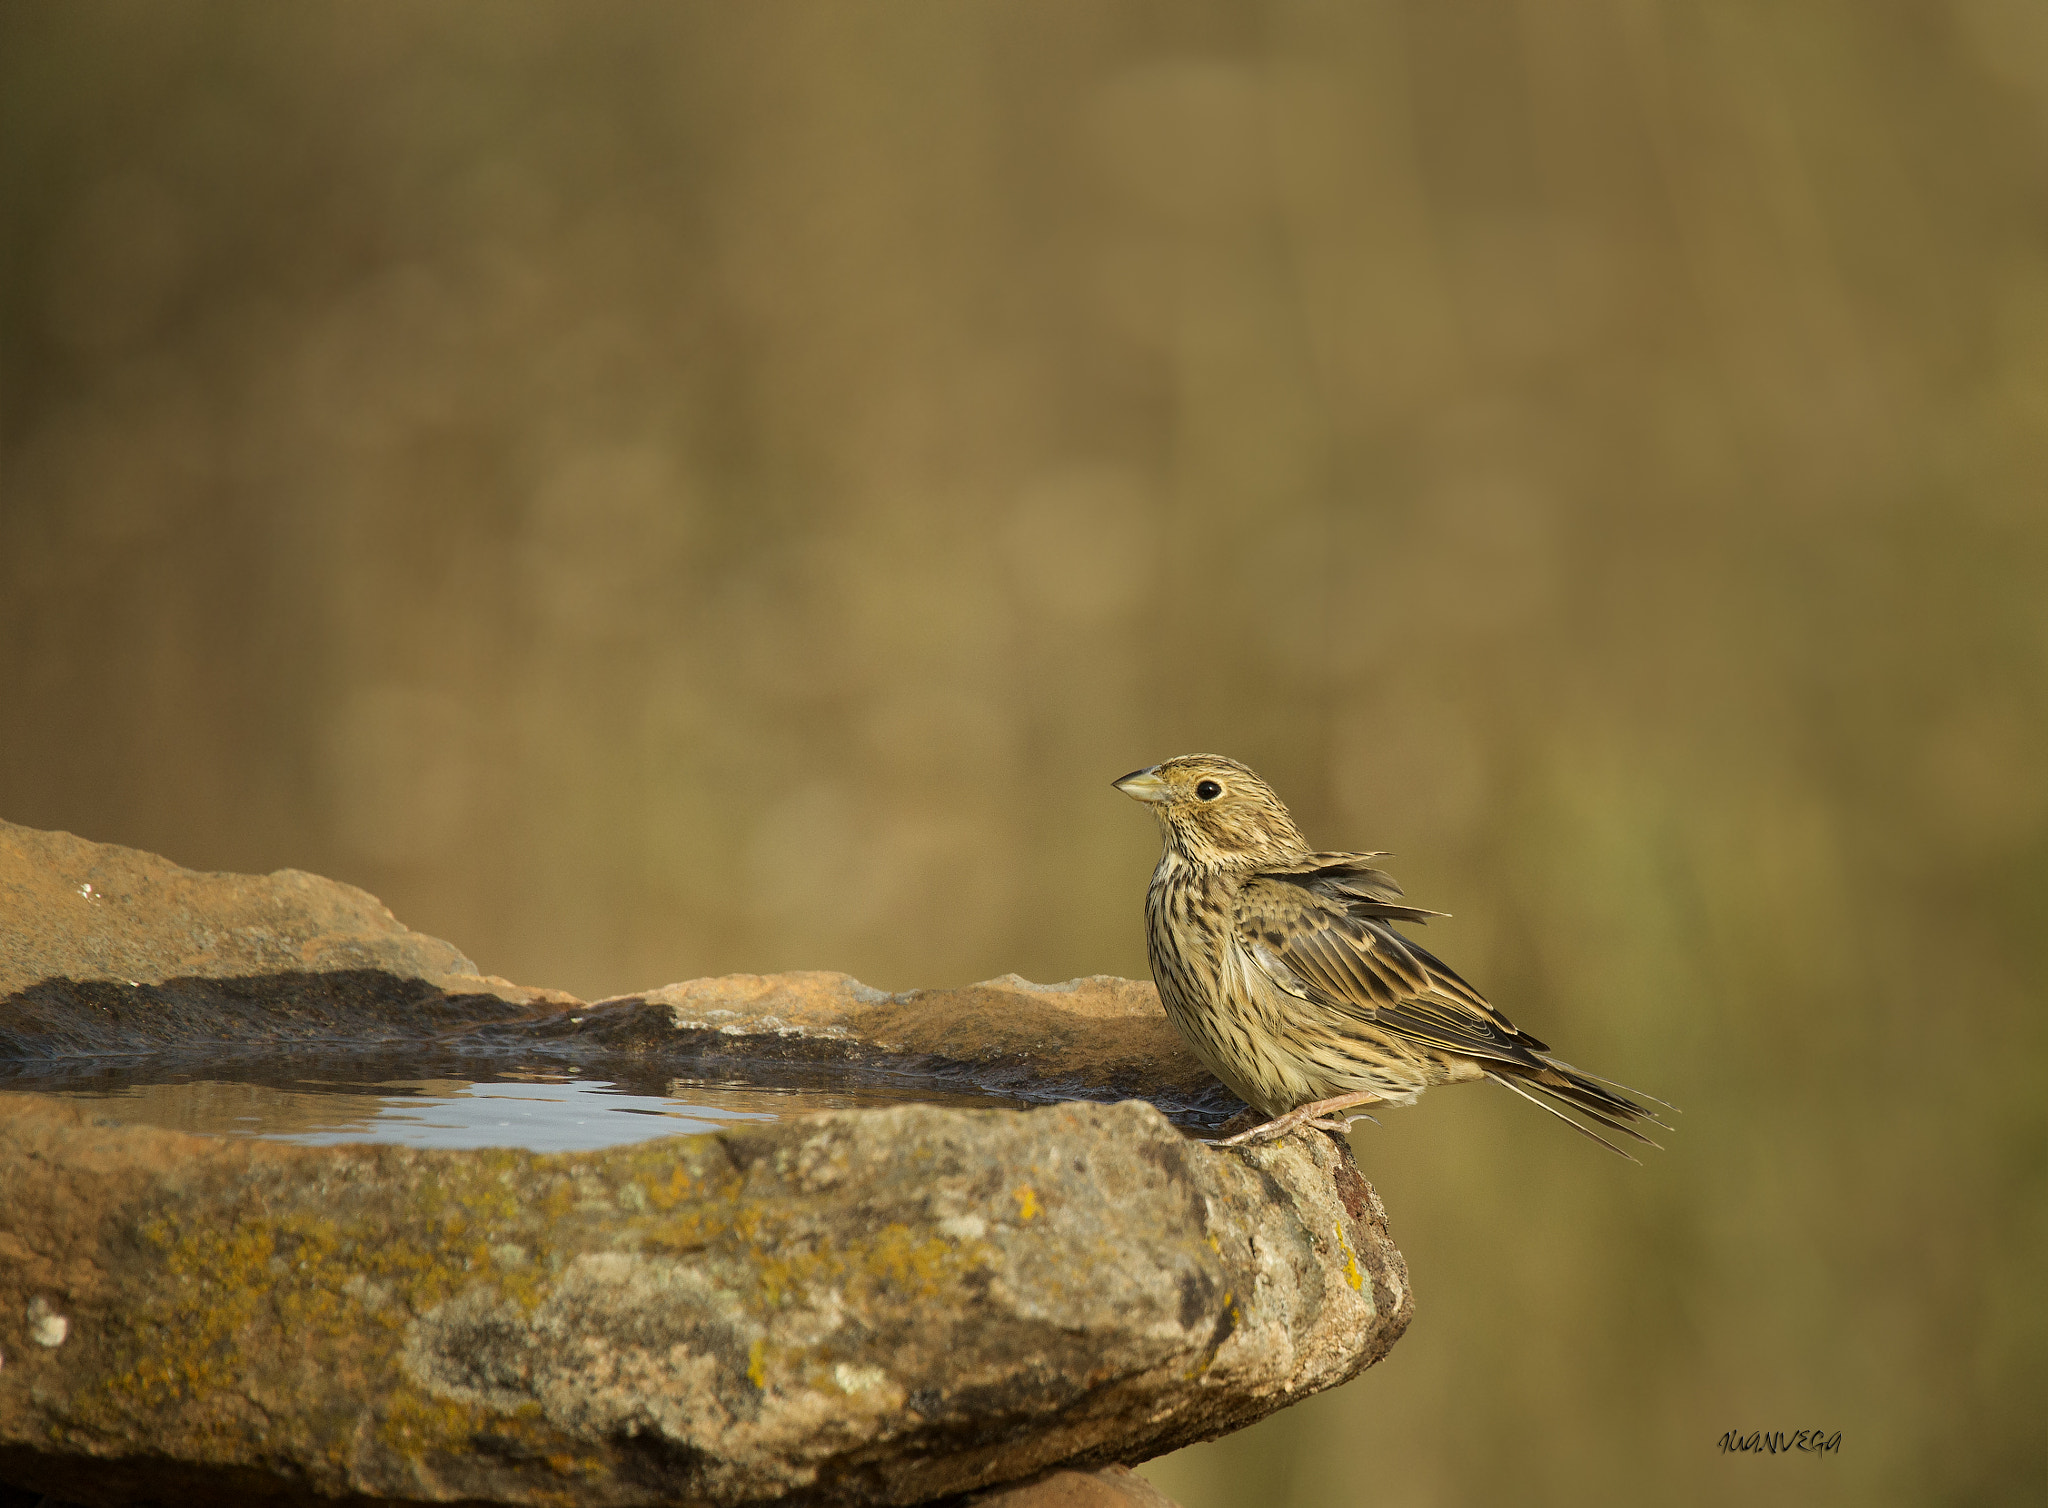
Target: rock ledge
(877, 1306)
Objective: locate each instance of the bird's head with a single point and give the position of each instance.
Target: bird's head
(1214, 812)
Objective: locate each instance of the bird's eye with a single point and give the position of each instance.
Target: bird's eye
(1208, 790)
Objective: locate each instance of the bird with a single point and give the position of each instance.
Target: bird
(1282, 969)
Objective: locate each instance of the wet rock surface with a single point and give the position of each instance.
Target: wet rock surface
(108, 953)
(888, 1306)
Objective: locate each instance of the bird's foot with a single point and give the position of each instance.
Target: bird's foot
(1340, 1125)
(1322, 1114)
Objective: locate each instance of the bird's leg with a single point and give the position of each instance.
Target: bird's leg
(1321, 1113)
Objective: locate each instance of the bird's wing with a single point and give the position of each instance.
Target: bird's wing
(1324, 934)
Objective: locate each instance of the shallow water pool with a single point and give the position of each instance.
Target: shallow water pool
(538, 1112)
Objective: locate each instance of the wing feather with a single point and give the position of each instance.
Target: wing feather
(1322, 930)
(1319, 935)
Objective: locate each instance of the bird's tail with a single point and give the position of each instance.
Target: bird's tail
(1549, 1083)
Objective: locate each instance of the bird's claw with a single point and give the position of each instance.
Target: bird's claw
(1319, 1115)
(1341, 1124)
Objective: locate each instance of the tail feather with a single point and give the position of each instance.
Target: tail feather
(1613, 1120)
(1612, 1084)
(1586, 1092)
(1583, 1094)
(1596, 1136)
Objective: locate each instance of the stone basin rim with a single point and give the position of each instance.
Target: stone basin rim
(882, 1305)
(1095, 1038)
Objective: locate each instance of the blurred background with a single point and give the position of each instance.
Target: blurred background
(652, 491)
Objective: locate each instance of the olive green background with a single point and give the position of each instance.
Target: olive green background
(658, 490)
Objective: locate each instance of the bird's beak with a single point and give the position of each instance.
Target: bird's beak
(1142, 785)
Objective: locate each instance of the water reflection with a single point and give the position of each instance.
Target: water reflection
(538, 1112)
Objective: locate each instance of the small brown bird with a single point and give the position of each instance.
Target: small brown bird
(1282, 969)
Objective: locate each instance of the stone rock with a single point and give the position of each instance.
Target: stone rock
(880, 1306)
(877, 1306)
(78, 910)
(108, 949)
(1095, 1038)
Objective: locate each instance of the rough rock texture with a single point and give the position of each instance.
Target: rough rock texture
(886, 1306)
(881, 1306)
